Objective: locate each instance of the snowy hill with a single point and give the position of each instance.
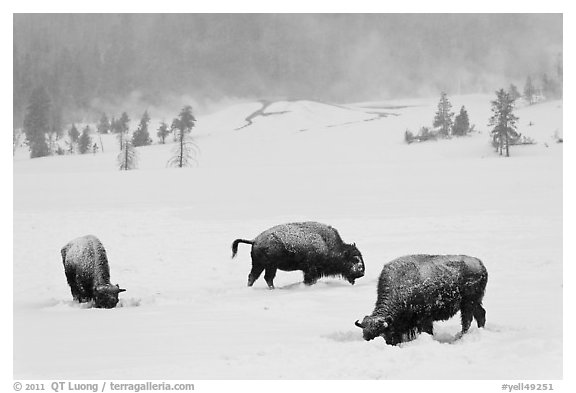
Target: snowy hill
(187, 312)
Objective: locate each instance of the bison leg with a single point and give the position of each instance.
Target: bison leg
(310, 277)
(427, 327)
(480, 315)
(466, 314)
(74, 288)
(254, 274)
(269, 276)
(393, 339)
(85, 291)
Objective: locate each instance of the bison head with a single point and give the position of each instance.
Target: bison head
(106, 296)
(355, 263)
(374, 326)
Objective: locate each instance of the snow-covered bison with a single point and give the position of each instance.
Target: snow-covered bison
(88, 273)
(415, 290)
(312, 247)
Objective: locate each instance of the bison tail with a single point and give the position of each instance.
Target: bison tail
(235, 245)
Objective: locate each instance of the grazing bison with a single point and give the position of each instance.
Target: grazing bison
(415, 290)
(314, 248)
(88, 273)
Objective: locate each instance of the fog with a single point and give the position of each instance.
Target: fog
(91, 61)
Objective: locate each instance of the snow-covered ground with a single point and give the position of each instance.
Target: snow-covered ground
(187, 313)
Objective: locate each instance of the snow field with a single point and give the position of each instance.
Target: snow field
(187, 313)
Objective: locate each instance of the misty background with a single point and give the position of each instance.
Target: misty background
(94, 63)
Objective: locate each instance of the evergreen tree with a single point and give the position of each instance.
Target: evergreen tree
(408, 136)
(55, 128)
(37, 122)
(529, 91)
(513, 91)
(443, 117)
(503, 121)
(186, 150)
(122, 126)
(560, 73)
(163, 132)
(104, 125)
(74, 135)
(114, 125)
(141, 136)
(85, 141)
(461, 123)
(550, 87)
(16, 136)
(128, 157)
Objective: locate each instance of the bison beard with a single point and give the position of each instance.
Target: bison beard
(416, 290)
(87, 272)
(312, 247)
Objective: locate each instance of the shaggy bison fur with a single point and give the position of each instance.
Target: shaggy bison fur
(415, 290)
(314, 248)
(88, 274)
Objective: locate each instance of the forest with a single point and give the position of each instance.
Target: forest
(92, 63)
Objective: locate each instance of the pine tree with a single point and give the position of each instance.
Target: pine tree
(560, 73)
(55, 128)
(163, 132)
(122, 126)
(37, 122)
(74, 135)
(128, 157)
(461, 123)
(186, 150)
(85, 141)
(408, 136)
(443, 117)
(114, 125)
(529, 91)
(503, 121)
(141, 136)
(16, 136)
(550, 87)
(104, 125)
(513, 91)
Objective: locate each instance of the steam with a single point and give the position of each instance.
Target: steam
(206, 60)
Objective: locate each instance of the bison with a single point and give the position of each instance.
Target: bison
(415, 290)
(88, 274)
(314, 248)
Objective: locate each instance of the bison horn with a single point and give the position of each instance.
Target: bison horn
(357, 323)
(121, 290)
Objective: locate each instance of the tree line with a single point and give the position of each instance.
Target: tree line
(42, 139)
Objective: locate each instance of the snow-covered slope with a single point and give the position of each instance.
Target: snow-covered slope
(187, 312)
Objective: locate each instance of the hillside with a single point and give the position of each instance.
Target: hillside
(187, 312)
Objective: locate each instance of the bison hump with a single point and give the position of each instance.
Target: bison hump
(297, 239)
(474, 265)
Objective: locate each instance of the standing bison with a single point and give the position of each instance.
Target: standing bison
(88, 273)
(415, 290)
(314, 248)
